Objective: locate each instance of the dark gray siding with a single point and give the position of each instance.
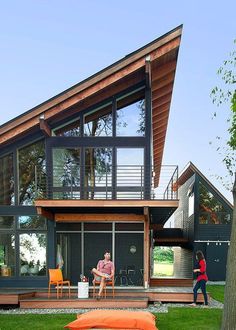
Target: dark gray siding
(182, 220)
(183, 263)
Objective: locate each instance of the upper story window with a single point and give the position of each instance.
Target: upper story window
(32, 172)
(211, 209)
(99, 121)
(130, 115)
(66, 167)
(6, 180)
(71, 128)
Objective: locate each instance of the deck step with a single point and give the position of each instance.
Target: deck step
(121, 302)
(176, 282)
(13, 298)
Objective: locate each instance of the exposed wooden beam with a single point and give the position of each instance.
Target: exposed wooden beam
(45, 128)
(47, 203)
(45, 213)
(79, 217)
(146, 266)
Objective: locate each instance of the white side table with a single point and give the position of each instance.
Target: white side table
(83, 290)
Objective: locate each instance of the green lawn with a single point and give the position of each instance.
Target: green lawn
(216, 292)
(163, 269)
(190, 319)
(177, 318)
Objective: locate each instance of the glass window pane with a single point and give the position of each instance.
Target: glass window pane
(130, 116)
(130, 173)
(66, 167)
(7, 222)
(32, 222)
(129, 259)
(7, 254)
(211, 209)
(69, 129)
(99, 122)
(32, 173)
(33, 254)
(6, 180)
(98, 172)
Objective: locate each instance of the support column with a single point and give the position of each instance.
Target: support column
(146, 242)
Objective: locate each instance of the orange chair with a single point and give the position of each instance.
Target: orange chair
(56, 278)
(110, 282)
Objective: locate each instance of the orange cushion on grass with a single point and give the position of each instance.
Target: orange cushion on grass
(114, 319)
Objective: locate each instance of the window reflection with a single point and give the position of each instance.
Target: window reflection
(32, 173)
(7, 222)
(33, 254)
(130, 117)
(7, 255)
(212, 211)
(32, 222)
(99, 122)
(66, 167)
(71, 128)
(130, 173)
(98, 180)
(6, 180)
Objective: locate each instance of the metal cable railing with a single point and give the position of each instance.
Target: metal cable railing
(73, 181)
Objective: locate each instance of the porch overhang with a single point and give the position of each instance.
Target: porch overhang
(158, 211)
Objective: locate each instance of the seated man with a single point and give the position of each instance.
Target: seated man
(104, 272)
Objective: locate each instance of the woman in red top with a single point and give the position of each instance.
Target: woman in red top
(201, 278)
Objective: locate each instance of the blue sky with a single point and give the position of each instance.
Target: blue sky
(48, 46)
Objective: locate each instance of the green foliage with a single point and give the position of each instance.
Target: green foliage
(226, 94)
(163, 255)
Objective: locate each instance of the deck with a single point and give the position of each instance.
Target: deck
(124, 298)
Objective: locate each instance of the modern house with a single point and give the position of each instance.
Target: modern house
(204, 219)
(82, 173)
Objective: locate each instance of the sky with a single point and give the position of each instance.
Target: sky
(48, 46)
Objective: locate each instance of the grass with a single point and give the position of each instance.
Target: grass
(216, 292)
(190, 319)
(163, 269)
(35, 321)
(176, 318)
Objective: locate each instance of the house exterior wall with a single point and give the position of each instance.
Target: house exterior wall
(181, 215)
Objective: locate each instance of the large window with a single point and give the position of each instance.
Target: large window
(32, 222)
(130, 173)
(71, 128)
(6, 180)
(33, 254)
(99, 122)
(32, 173)
(211, 209)
(130, 116)
(97, 180)
(7, 254)
(66, 173)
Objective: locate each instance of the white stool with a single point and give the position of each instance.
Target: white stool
(83, 290)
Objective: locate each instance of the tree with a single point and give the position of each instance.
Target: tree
(227, 95)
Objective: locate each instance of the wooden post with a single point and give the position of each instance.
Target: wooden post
(146, 262)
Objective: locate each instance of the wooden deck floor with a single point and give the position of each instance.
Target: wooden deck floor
(124, 298)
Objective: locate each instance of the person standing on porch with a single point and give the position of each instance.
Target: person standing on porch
(104, 272)
(201, 278)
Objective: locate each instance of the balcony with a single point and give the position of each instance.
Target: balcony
(124, 182)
